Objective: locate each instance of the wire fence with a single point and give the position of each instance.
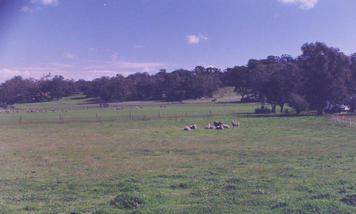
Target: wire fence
(16, 118)
(20, 120)
(342, 120)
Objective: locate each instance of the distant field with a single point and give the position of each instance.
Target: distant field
(72, 100)
(278, 164)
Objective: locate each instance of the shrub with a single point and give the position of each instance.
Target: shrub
(128, 200)
(262, 111)
(349, 200)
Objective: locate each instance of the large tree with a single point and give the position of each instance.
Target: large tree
(19, 90)
(273, 79)
(326, 73)
(351, 99)
(352, 86)
(238, 77)
(281, 80)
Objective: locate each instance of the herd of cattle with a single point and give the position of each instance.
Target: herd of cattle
(217, 125)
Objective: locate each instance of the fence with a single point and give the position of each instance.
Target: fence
(342, 120)
(62, 118)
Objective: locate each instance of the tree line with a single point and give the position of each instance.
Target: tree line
(320, 75)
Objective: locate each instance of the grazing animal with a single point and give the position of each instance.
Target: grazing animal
(216, 124)
(193, 126)
(225, 126)
(187, 128)
(235, 123)
(220, 127)
(209, 126)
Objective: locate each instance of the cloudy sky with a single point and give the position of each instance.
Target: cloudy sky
(92, 38)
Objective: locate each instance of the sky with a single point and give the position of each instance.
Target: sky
(86, 39)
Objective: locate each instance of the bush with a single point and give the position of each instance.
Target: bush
(128, 200)
(262, 111)
(298, 102)
(349, 200)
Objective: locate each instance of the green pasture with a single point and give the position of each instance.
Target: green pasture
(147, 164)
(138, 112)
(71, 100)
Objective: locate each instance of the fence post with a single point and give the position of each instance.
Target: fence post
(20, 119)
(343, 120)
(350, 123)
(96, 116)
(337, 119)
(159, 114)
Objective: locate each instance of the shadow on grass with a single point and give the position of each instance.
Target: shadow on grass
(79, 98)
(92, 101)
(233, 102)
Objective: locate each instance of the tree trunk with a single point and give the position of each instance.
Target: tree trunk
(282, 107)
(274, 108)
(320, 111)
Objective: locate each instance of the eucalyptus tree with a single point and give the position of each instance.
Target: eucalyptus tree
(326, 74)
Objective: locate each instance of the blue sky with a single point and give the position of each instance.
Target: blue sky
(92, 38)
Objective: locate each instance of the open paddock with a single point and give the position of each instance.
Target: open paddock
(271, 164)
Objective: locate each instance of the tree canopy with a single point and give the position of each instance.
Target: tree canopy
(319, 75)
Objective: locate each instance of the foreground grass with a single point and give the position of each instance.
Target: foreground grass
(269, 165)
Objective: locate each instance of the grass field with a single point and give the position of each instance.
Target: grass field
(278, 164)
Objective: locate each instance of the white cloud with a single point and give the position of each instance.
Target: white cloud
(7, 73)
(127, 65)
(95, 69)
(36, 5)
(27, 9)
(49, 2)
(139, 46)
(195, 39)
(303, 4)
(203, 37)
(69, 56)
(45, 2)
